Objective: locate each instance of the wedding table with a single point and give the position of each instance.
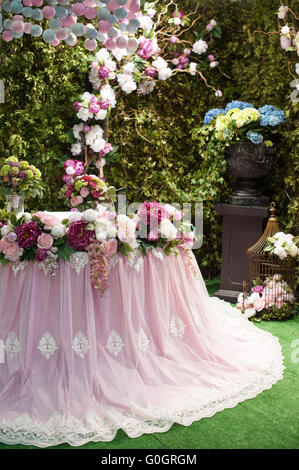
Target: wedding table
(153, 351)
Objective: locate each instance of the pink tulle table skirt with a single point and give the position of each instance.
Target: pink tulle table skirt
(154, 351)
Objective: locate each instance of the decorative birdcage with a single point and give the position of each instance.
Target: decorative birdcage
(270, 292)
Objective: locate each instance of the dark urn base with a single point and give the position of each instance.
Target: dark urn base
(249, 163)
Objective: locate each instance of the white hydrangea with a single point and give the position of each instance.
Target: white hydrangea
(159, 64)
(76, 148)
(129, 67)
(146, 86)
(98, 145)
(165, 73)
(126, 82)
(102, 55)
(84, 114)
(146, 23)
(168, 230)
(108, 93)
(192, 68)
(119, 54)
(200, 46)
(101, 115)
(77, 129)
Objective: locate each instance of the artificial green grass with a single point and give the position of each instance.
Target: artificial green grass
(269, 421)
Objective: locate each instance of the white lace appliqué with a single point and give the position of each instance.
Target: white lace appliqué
(12, 345)
(81, 345)
(113, 260)
(158, 253)
(47, 345)
(18, 266)
(177, 326)
(135, 260)
(78, 261)
(143, 341)
(114, 343)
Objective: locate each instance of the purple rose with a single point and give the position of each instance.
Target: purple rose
(150, 72)
(41, 255)
(94, 108)
(78, 236)
(77, 106)
(22, 175)
(27, 234)
(183, 60)
(103, 72)
(146, 49)
(104, 104)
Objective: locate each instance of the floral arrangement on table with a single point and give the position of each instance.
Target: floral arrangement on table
(271, 298)
(19, 177)
(84, 191)
(92, 235)
(158, 43)
(283, 245)
(241, 121)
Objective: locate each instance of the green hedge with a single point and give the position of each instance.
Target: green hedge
(161, 155)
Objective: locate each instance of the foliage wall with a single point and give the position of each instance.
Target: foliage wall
(161, 154)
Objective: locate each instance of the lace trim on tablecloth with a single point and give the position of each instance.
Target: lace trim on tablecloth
(60, 429)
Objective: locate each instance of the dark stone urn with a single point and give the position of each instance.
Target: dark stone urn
(249, 163)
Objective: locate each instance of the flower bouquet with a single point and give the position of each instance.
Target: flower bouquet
(84, 191)
(241, 121)
(282, 245)
(269, 299)
(19, 180)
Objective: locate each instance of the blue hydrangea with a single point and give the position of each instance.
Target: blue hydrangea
(212, 114)
(238, 104)
(271, 116)
(255, 137)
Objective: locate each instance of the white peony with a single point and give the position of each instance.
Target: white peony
(168, 230)
(285, 30)
(70, 170)
(129, 67)
(119, 53)
(76, 148)
(126, 82)
(177, 21)
(200, 46)
(126, 228)
(165, 73)
(98, 145)
(86, 97)
(146, 23)
(111, 64)
(94, 79)
(108, 93)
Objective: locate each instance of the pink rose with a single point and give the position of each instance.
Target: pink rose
(12, 251)
(45, 241)
(178, 215)
(279, 302)
(84, 192)
(109, 248)
(76, 200)
(259, 304)
(3, 244)
(49, 219)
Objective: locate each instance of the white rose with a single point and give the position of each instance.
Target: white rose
(102, 55)
(192, 68)
(119, 53)
(159, 63)
(129, 67)
(58, 231)
(177, 21)
(282, 12)
(101, 115)
(98, 145)
(90, 215)
(200, 46)
(70, 170)
(146, 86)
(213, 22)
(146, 23)
(77, 129)
(168, 230)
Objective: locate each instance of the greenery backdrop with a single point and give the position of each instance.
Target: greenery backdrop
(162, 155)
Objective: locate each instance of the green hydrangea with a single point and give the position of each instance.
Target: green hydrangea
(24, 165)
(4, 170)
(78, 185)
(29, 174)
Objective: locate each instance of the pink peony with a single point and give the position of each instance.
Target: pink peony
(150, 72)
(76, 201)
(104, 104)
(45, 241)
(28, 234)
(109, 248)
(84, 192)
(95, 108)
(78, 236)
(96, 194)
(259, 304)
(4, 243)
(258, 289)
(41, 254)
(12, 251)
